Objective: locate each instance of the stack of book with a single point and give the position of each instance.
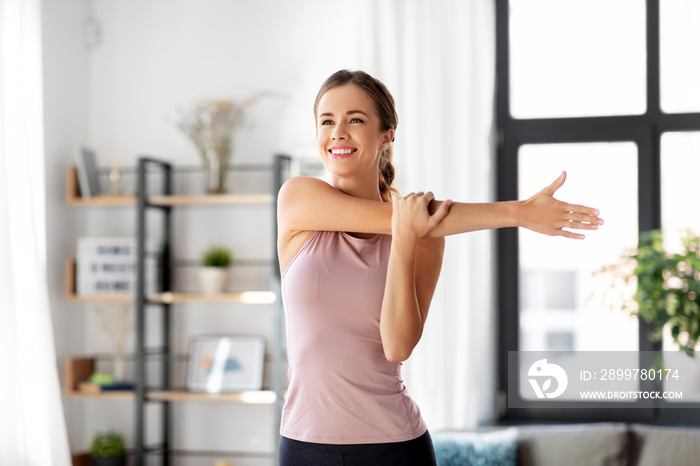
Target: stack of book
(109, 265)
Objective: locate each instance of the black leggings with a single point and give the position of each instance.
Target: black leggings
(416, 452)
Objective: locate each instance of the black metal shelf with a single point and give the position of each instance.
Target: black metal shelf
(162, 187)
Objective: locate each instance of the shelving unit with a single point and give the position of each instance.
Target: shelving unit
(154, 186)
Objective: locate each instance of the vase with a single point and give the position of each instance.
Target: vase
(213, 280)
(215, 171)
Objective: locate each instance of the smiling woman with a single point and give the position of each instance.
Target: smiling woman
(359, 269)
(368, 111)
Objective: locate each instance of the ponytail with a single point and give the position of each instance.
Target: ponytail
(386, 175)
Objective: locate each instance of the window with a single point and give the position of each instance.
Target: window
(607, 91)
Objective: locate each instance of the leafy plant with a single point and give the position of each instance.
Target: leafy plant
(217, 256)
(667, 287)
(109, 445)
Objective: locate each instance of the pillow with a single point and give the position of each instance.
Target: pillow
(665, 445)
(497, 448)
(594, 444)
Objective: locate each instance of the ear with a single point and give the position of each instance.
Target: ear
(388, 138)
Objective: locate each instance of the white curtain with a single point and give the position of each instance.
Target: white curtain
(32, 428)
(437, 58)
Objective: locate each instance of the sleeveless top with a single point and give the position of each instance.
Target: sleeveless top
(342, 389)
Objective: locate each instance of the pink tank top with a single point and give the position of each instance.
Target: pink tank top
(342, 389)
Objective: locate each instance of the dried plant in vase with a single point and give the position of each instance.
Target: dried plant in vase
(117, 323)
(211, 125)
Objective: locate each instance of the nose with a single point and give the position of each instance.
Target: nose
(339, 132)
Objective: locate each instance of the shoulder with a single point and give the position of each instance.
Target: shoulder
(298, 199)
(302, 185)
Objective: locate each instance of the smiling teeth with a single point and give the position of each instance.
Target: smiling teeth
(341, 151)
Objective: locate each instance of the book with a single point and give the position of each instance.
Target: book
(86, 164)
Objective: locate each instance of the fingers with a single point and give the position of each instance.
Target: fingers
(556, 184)
(585, 219)
(570, 234)
(441, 212)
(428, 195)
(582, 209)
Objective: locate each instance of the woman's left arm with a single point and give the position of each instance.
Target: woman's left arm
(412, 274)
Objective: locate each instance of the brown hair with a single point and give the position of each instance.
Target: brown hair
(386, 110)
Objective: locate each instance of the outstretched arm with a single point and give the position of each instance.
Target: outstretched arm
(308, 204)
(541, 213)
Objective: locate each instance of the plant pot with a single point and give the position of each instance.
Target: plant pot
(213, 280)
(121, 461)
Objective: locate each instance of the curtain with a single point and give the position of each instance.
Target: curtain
(32, 428)
(438, 60)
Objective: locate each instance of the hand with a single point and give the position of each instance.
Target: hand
(545, 214)
(410, 215)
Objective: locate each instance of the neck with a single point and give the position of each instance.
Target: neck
(362, 189)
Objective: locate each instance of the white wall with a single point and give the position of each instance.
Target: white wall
(65, 106)
(118, 94)
(156, 55)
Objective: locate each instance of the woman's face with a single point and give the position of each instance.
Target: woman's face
(348, 133)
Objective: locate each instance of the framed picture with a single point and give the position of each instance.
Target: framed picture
(86, 164)
(219, 364)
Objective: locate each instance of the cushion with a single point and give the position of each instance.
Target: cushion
(653, 445)
(597, 444)
(497, 448)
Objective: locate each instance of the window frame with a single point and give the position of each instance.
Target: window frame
(645, 130)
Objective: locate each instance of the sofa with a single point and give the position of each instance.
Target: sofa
(597, 444)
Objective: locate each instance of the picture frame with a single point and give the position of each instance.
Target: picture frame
(225, 363)
(86, 165)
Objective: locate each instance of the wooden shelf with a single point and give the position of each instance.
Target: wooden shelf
(105, 200)
(251, 397)
(101, 200)
(211, 199)
(248, 297)
(79, 370)
(105, 395)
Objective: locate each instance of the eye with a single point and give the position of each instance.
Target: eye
(326, 122)
(356, 120)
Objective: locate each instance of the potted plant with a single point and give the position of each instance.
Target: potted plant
(667, 287)
(108, 450)
(214, 273)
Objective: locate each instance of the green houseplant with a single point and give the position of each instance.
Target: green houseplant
(215, 270)
(108, 449)
(667, 287)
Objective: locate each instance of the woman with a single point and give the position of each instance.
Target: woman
(359, 273)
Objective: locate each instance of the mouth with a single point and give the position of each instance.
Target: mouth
(341, 153)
